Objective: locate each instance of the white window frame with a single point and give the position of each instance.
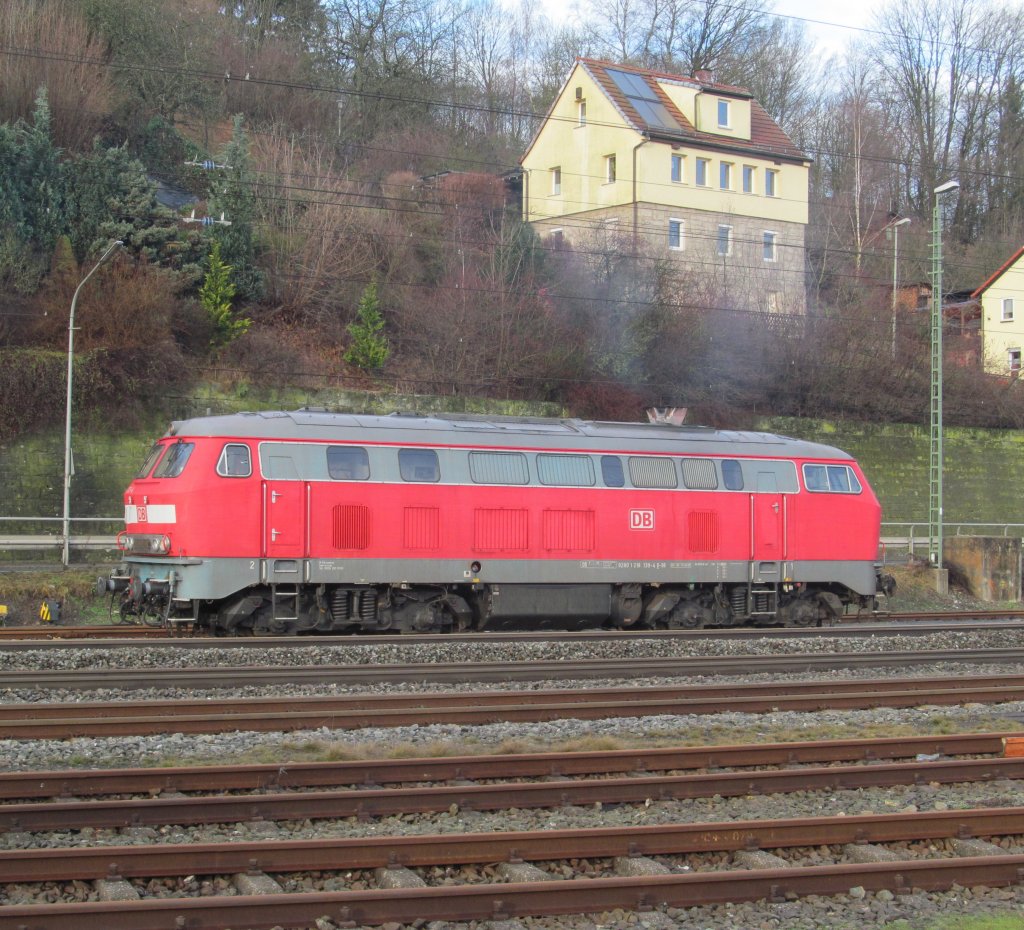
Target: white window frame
(770, 245)
(727, 241)
(725, 174)
(724, 106)
(771, 182)
(703, 168)
(680, 245)
(609, 169)
(749, 179)
(1006, 309)
(581, 113)
(1013, 357)
(556, 181)
(677, 169)
(557, 235)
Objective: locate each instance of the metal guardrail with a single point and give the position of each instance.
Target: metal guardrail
(38, 541)
(22, 542)
(917, 533)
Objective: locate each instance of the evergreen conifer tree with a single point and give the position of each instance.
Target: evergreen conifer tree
(216, 294)
(369, 349)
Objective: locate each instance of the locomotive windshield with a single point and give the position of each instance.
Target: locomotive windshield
(173, 463)
(147, 466)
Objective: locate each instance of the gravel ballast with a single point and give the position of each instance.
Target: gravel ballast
(858, 909)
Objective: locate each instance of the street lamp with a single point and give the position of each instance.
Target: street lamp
(935, 444)
(111, 249)
(894, 228)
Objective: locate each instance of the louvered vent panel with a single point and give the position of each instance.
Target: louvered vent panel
(650, 472)
(699, 474)
(422, 528)
(569, 530)
(496, 530)
(703, 531)
(351, 523)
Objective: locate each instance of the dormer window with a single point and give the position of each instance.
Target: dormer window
(723, 114)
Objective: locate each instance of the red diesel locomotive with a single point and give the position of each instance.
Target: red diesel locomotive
(310, 521)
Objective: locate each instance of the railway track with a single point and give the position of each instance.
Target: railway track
(120, 718)
(229, 676)
(918, 623)
(601, 869)
(299, 775)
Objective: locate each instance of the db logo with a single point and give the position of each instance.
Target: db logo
(141, 515)
(641, 519)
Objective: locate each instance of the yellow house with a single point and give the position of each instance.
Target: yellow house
(1002, 316)
(674, 167)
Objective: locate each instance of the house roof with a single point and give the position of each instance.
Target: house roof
(648, 109)
(1010, 262)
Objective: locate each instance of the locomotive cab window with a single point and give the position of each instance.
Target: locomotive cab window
(235, 461)
(732, 475)
(611, 471)
(147, 466)
(174, 462)
(574, 471)
(837, 479)
(348, 463)
(419, 465)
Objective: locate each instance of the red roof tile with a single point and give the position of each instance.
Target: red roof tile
(766, 136)
(998, 274)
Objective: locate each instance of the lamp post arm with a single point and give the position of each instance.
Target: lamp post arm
(66, 522)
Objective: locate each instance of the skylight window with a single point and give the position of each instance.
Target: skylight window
(644, 99)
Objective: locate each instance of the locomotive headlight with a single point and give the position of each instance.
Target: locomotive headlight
(144, 544)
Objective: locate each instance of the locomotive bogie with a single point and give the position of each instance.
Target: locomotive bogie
(312, 522)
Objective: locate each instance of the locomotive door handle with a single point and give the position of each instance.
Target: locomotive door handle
(273, 496)
(274, 534)
(775, 507)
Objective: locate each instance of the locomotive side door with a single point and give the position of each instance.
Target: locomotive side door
(284, 519)
(768, 520)
(284, 509)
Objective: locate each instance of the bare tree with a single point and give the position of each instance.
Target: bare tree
(943, 64)
(49, 46)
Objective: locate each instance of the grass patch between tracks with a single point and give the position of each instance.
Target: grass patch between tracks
(291, 751)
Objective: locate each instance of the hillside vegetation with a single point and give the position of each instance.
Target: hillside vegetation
(355, 162)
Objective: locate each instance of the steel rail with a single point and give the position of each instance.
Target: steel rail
(231, 676)
(496, 698)
(518, 707)
(380, 802)
(496, 902)
(290, 775)
(92, 862)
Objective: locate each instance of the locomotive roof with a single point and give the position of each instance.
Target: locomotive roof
(470, 429)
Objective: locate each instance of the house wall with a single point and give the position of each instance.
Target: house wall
(644, 192)
(744, 279)
(1000, 336)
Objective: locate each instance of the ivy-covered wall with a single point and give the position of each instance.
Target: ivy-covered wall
(32, 466)
(984, 469)
(982, 477)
